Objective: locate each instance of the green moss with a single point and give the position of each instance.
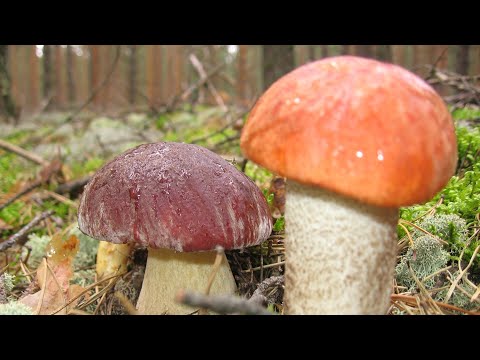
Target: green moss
(11, 214)
(279, 224)
(466, 113)
(80, 169)
(257, 173)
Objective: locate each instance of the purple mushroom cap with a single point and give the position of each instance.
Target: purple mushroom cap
(176, 196)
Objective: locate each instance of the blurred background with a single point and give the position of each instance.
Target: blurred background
(37, 78)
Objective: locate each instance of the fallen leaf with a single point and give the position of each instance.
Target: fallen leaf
(53, 278)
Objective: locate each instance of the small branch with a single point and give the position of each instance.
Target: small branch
(222, 304)
(44, 176)
(20, 237)
(201, 71)
(411, 300)
(186, 94)
(22, 192)
(23, 153)
(260, 296)
(72, 186)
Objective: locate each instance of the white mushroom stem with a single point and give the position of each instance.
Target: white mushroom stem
(340, 253)
(112, 258)
(168, 272)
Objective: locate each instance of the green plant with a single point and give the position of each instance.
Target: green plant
(279, 224)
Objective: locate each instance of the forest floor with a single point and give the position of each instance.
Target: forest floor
(47, 266)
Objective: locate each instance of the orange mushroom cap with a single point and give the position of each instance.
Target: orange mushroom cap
(368, 130)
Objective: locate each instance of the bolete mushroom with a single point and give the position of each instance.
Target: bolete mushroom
(357, 139)
(181, 201)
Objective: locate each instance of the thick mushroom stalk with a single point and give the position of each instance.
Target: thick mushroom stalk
(188, 271)
(340, 253)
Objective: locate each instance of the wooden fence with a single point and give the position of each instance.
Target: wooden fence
(132, 77)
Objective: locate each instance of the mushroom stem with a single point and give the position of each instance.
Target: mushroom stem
(340, 253)
(112, 258)
(168, 272)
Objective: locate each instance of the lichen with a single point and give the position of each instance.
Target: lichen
(38, 245)
(15, 308)
(426, 257)
(458, 298)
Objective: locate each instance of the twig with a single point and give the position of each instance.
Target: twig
(22, 192)
(222, 304)
(411, 300)
(213, 274)
(44, 177)
(60, 198)
(20, 237)
(423, 230)
(72, 186)
(201, 71)
(216, 267)
(23, 153)
(462, 272)
(259, 296)
(423, 290)
(87, 289)
(265, 266)
(184, 96)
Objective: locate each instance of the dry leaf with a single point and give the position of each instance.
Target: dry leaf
(53, 278)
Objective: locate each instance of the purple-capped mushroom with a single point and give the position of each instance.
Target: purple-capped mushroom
(180, 201)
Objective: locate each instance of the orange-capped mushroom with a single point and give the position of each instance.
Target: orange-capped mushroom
(357, 139)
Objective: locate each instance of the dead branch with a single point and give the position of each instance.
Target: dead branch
(23, 153)
(44, 176)
(468, 92)
(412, 300)
(21, 236)
(73, 186)
(222, 304)
(22, 192)
(261, 296)
(203, 75)
(189, 91)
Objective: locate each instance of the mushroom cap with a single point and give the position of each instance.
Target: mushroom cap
(365, 129)
(176, 196)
